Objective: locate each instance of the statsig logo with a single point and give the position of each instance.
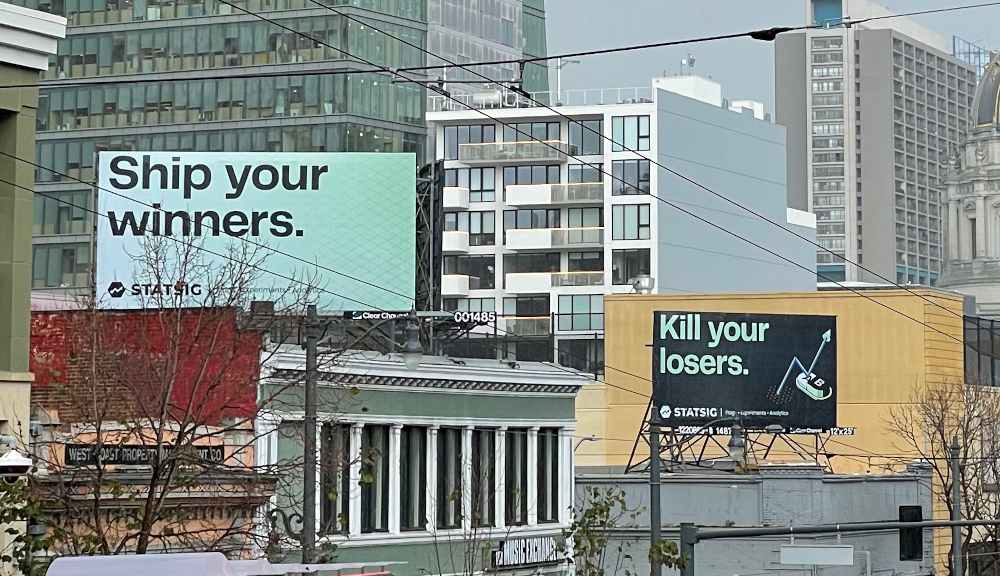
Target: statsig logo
(116, 289)
(689, 412)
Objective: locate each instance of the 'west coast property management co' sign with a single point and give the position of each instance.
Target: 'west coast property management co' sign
(752, 369)
(322, 217)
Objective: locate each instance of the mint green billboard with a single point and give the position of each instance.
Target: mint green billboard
(341, 224)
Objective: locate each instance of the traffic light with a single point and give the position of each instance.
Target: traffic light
(911, 540)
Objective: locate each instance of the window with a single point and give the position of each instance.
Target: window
(412, 478)
(480, 182)
(469, 304)
(528, 131)
(585, 173)
(530, 218)
(834, 142)
(585, 261)
(335, 478)
(528, 262)
(586, 136)
(531, 174)
(627, 264)
(526, 306)
(449, 478)
(60, 265)
(375, 478)
(629, 133)
(548, 475)
(828, 171)
(516, 476)
(828, 114)
(585, 354)
(585, 218)
(827, 86)
(454, 136)
(479, 225)
(630, 177)
(483, 481)
(581, 312)
(630, 222)
(62, 213)
(478, 268)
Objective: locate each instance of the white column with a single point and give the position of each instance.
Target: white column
(320, 496)
(432, 476)
(532, 475)
(981, 226)
(354, 515)
(499, 476)
(467, 478)
(953, 245)
(565, 495)
(394, 487)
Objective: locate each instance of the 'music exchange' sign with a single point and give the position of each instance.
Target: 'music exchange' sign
(318, 218)
(752, 369)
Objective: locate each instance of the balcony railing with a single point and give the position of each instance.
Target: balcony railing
(575, 237)
(528, 325)
(577, 279)
(549, 238)
(526, 151)
(578, 192)
(455, 198)
(548, 194)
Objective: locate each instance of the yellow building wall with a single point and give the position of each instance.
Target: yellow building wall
(890, 344)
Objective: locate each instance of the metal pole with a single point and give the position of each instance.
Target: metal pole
(689, 537)
(309, 442)
(956, 508)
(655, 568)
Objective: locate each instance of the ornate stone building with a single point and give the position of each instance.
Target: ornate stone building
(973, 243)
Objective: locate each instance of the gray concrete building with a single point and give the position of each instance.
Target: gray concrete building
(872, 112)
(774, 495)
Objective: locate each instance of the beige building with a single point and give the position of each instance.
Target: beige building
(27, 38)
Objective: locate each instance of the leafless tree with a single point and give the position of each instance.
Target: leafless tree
(179, 377)
(969, 414)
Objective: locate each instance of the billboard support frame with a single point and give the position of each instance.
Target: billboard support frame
(679, 452)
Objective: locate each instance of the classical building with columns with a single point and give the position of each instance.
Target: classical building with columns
(460, 466)
(973, 246)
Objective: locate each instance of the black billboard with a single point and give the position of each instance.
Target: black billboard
(756, 370)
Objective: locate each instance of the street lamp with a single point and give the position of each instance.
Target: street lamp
(413, 351)
(737, 446)
(14, 465)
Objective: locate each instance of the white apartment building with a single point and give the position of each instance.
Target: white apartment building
(539, 232)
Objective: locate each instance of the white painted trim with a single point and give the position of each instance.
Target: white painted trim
(432, 466)
(426, 537)
(800, 218)
(532, 475)
(500, 477)
(354, 506)
(445, 421)
(28, 37)
(429, 390)
(467, 478)
(394, 477)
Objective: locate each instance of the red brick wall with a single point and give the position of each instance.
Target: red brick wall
(120, 365)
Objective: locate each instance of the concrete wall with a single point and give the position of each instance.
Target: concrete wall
(741, 159)
(877, 193)
(775, 497)
(790, 101)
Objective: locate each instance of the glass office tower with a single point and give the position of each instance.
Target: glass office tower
(201, 64)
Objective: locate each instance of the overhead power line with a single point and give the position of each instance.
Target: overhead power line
(763, 34)
(669, 203)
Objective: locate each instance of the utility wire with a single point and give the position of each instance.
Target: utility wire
(600, 134)
(216, 230)
(557, 149)
(764, 34)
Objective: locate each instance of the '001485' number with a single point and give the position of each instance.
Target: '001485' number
(478, 317)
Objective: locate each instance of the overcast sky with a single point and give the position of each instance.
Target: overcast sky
(744, 67)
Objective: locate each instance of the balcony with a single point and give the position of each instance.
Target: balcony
(540, 282)
(455, 242)
(527, 151)
(455, 285)
(550, 238)
(549, 194)
(580, 322)
(526, 325)
(455, 198)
